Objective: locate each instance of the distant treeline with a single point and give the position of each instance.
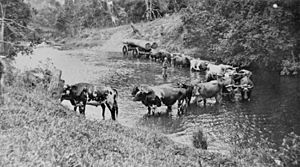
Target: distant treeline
(76, 15)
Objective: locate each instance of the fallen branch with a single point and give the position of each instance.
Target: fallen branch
(135, 30)
(13, 44)
(18, 24)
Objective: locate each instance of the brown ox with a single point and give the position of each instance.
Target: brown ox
(208, 90)
(167, 94)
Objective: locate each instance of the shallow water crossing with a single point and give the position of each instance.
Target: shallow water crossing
(272, 113)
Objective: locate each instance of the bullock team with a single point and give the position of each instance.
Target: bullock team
(221, 81)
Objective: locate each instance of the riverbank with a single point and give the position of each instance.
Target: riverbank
(32, 121)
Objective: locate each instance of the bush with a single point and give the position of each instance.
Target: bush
(199, 141)
(290, 150)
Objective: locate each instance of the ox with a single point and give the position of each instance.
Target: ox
(208, 90)
(161, 55)
(198, 65)
(155, 96)
(180, 60)
(217, 70)
(246, 86)
(81, 93)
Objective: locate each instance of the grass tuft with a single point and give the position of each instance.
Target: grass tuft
(199, 140)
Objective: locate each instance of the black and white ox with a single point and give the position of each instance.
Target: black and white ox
(81, 94)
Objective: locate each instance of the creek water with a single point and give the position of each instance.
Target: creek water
(272, 113)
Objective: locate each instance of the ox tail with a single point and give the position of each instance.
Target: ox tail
(116, 93)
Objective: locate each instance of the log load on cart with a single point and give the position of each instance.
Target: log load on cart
(138, 47)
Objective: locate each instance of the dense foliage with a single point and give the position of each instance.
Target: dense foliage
(17, 16)
(242, 32)
(74, 16)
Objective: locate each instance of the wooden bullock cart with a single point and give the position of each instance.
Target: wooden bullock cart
(138, 47)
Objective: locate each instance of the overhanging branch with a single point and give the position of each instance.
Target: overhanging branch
(13, 44)
(18, 24)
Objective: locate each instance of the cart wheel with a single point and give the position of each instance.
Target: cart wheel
(125, 50)
(135, 52)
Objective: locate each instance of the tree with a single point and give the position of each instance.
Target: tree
(15, 16)
(244, 32)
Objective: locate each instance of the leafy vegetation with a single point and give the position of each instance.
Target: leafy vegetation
(243, 32)
(17, 16)
(290, 150)
(72, 17)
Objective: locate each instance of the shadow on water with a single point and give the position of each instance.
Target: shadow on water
(272, 113)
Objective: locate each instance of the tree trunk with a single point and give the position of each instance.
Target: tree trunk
(148, 9)
(55, 79)
(1, 81)
(2, 54)
(135, 30)
(2, 51)
(56, 85)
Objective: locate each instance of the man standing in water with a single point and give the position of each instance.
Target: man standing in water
(165, 66)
